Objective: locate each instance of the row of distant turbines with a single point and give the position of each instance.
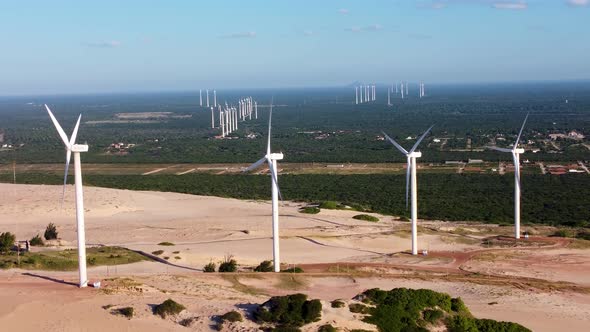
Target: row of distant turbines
(229, 115)
(367, 93)
(271, 159)
(207, 98)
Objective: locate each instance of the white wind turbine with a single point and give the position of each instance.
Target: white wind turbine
(411, 172)
(71, 146)
(271, 159)
(516, 152)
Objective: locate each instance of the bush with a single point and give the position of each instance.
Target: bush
(264, 266)
(209, 267)
(366, 217)
(229, 264)
(330, 205)
(459, 307)
(338, 304)
(288, 311)
(310, 210)
(127, 312)
(295, 269)
(50, 232)
(168, 307)
(583, 235)
(327, 328)
(358, 308)
(562, 233)
(432, 316)
(36, 241)
(187, 322)
(232, 316)
(157, 252)
(6, 242)
(166, 244)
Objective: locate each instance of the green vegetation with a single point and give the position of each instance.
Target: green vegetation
(67, 260)
(37, 241)
(366, 217)
(50, 232)
(127, 312)
(288, 312)
(478, 197)
(157, 252)
(327, 328)
(310, 210)
(210, 267)
(331, 205)
(232, 317)
(337, 304)
(168, 307)
(264, 266)
(402, 309)
(295, 269)
(166, 244)
(229, 264)
(6, 242)
(187, 322)
(358, 308)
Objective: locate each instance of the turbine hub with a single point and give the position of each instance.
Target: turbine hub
(519, 151)
(276, 156)
(79, 148)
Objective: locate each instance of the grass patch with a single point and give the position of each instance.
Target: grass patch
(127, 312)
(210, 267)
(157, 252)
(166, 244)
(327, 328)
(67, 260)
(310, 210)
(264, 266)
(37, 241)
(338, 304)
(168, 307)
(290, 311)
(579, 244)
(366, 217)
(291, 282)
(240, 287)
(295, 269)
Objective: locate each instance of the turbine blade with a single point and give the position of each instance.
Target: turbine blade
(408, 171)
(60, 131)
(68, 157)
(399, 147)
(274, 178)
(520, 132)
(269, 126)
(75, 132)
(420, 139)
(498, 149)
(255, 165)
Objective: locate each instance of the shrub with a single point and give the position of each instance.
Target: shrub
(327, 328)
(289, 311)
(338, 304)
(583, 235)
(209, 267)
(432, 316)
(229, 264)
(459, 307)
(310, 210)
(295, 269)
(36, 241)
(157, 252)
(187, 322)
(127, 312)
(50, 232)
(6, 242)
(264, 266)
(366, 217)
(358, 308)
(166, 244)
(562, 233)
(462, 324)
(330, 205)
(232, 316)
(168, 307)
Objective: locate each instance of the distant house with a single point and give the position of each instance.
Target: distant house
(475, 161)
(436, 140)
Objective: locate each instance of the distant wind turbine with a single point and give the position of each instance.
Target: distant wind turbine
(271, 159)
(71, 146)
(516, 152)
(411, 178)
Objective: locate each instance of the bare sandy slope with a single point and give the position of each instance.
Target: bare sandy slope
(207, 228)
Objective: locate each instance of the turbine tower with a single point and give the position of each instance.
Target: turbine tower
(214, 98)
(356, 95)
(207, 97)
(271, 159)
(212, 118)
(71, 146)
(200, 97)
(516, 152)
(411, 179)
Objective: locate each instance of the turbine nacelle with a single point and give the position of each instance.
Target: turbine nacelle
(275, 156)
(415, 154)
(79, 148)
(518, 151)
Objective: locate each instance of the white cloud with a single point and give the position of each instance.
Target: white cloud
(510, 5)
(343, 11)
(104, 44)
(308, 33)
(249, 34)
(578, 3)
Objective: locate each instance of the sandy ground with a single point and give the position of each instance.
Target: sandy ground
(542, 288)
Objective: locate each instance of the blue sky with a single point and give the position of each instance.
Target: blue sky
(64, 46)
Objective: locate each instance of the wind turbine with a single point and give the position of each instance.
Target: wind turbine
(411, 178)
(271, 159)
(71, 146)
(516, 152)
